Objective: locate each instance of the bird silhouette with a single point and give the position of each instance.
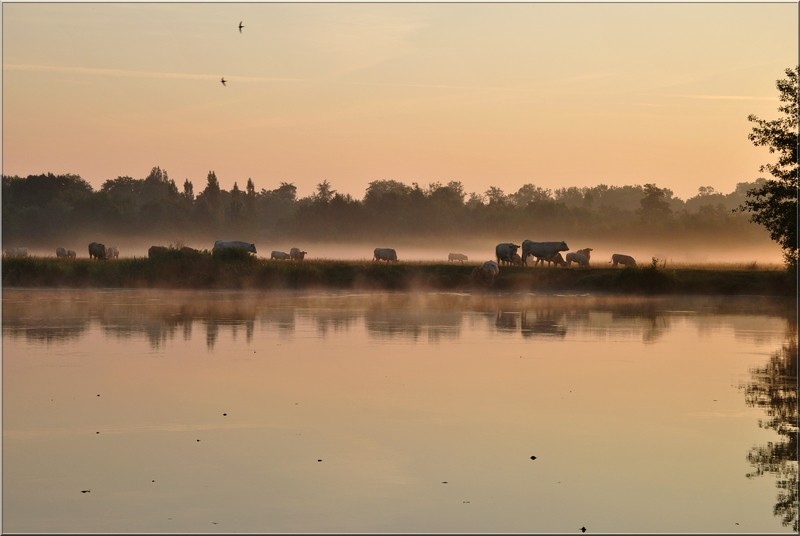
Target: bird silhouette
(224, 82)
(241, 26)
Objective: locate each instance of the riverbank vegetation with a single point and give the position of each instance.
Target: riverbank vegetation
(238, 270)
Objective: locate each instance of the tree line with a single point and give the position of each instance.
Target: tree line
(40, 208)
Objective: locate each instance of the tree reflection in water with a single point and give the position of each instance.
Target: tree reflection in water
(774, 389)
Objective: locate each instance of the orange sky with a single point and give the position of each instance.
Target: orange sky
(489, 94)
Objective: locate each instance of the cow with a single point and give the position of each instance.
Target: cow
(296, 254)
(587, 252)
(516, 260)
(456, 257)
(543, 251)
(580, 258)
(189, 251)
(558, 260)
(17, 252)
(385, 254)
(97, 251)
(61, 253)
(624, 260)
(485, 273)
(71, 254)
(505, 252)
(220, 245)
(157, 251)
(112, 252)
(279, 256)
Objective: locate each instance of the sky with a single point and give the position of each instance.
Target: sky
(554, 94)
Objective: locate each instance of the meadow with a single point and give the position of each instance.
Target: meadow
(238, 270)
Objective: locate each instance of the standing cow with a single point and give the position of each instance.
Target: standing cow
(279, 256)
(112, 252)
(456, 257)
(97, 251)
(385, 254)
(17, 252)
(220, 245)
(543, 251)
(296, 254)
(505, 252)
(61, 253)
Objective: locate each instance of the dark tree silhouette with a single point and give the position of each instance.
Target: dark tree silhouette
(774, 204)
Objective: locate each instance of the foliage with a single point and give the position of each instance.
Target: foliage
(774, 203)
(49, 209)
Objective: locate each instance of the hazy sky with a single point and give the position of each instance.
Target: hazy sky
(489, 94)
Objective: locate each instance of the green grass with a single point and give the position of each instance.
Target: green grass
(237, 270)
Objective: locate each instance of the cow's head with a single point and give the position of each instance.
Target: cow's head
(563, 246)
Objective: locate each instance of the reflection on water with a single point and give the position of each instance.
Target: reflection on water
(774, 389)
(58, 316)
(338, 412)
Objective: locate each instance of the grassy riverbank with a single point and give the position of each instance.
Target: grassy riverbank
(204, 271)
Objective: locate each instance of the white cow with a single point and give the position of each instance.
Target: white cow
(61, 252)
(17, 252)
(296, 254)
(385, 254)
(580, 258)
(112, 252)
(279, 256)
(456, 257)
(543, 251)
(624, 260)
(71, 253)
(220, 245)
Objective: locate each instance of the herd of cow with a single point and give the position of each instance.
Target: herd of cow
(505, 253)
(549, 252)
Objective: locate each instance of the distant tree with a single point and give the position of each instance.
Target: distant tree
(654, 206)
(209, 202)
(324, 192)
(235, 206)
(774, 204)
(188, 190)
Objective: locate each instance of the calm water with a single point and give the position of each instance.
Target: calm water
(333, 412)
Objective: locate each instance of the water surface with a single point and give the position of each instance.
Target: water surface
(159, 411)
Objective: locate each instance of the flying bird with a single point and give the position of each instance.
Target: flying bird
(241, 26)
(223, 81)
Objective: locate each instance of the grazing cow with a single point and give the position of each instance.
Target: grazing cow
(505, 252)
(157, 251)
(558, 260)
(543, 251)
(580, 258)
(112, 252)
(97, 251)
(485, 273)
(219, 245)
(279, 256)
(296, 254)
(17, 252)
(71, 254)
(624, 260)
(61, 253)
(456, 257)
(385, 254)
(516, 260)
